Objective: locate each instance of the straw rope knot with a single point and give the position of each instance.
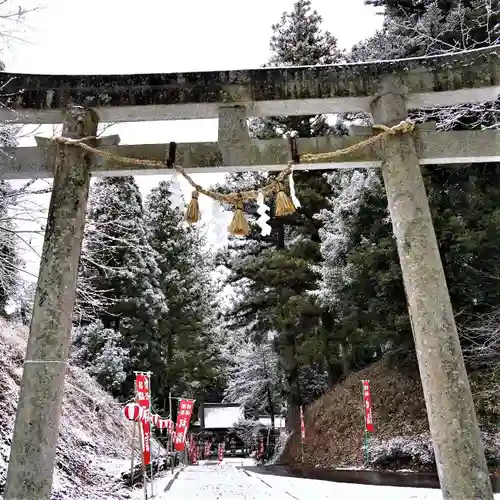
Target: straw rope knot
(237, 199)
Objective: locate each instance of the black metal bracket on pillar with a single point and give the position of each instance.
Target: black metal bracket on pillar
(294, 149)
(172, 149)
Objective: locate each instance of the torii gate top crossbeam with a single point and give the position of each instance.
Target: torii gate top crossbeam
(456, 78)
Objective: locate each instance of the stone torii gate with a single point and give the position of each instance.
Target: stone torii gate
(385, 89)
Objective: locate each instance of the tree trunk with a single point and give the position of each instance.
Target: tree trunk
(168, 371)
(344, 358)
(281, 237)
(271, 405)
(335, 372)
(293, 393)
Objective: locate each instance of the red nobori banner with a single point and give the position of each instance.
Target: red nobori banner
(142, 389)
(302, 425)
(222, 449)
(182, 425)
(143, 398)
(367, 403)
(193, 451)
(208, 448)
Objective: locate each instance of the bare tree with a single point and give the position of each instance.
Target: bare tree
(481, 348)
(23, 221)
(20, 221)
(467, 25)
(16, 204)
(23, 206)
(13, 22)
(483, 342)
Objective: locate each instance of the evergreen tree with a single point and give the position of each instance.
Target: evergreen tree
(360, 277)
(188, 351)
(299, 40)
(120, 264)
(253, 377)
(460, 197)
(314, 382)
(98, 350)
(275, 271)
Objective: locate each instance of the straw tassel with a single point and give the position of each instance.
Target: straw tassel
(283, 204)
(239, 225)
(193, 211)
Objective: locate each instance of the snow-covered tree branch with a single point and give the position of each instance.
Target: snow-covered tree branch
(438, 29)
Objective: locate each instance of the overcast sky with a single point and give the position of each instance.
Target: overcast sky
(116, 36)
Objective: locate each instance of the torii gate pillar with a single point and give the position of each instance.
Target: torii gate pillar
(458, 449)
(36, 431)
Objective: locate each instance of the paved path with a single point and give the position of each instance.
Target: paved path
(228, 482)
(221, 482)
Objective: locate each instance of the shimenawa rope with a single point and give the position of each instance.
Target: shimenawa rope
(239, 225)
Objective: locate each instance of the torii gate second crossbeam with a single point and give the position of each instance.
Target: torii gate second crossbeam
(386, 89)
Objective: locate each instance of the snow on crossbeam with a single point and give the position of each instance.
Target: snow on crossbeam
(433, 148)
(461, 77)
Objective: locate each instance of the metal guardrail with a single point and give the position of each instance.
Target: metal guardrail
(368, 477)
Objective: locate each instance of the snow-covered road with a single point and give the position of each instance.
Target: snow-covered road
(228, 482)
(220, 482)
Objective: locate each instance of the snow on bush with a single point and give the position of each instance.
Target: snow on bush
(248, 431)
(401, 451)
(417, 451)
(97, 350)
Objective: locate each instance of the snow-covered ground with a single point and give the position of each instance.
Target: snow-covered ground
(228, 482)
(212, 482)
(94, 448)
(94, 444)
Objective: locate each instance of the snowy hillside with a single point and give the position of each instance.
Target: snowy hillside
(334, 423)
(94, 440)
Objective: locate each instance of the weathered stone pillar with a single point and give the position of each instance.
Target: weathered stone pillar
(461, 464)
(36, 429)
(234, 139)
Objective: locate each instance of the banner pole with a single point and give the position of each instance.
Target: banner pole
(365, 460)
(150, 437)
(132, 457)
(367, 448)
(143, 463)
(366, 439)
(302, 432)
(159, 451)
(171, 437)
(364, 420)
(143, 396)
